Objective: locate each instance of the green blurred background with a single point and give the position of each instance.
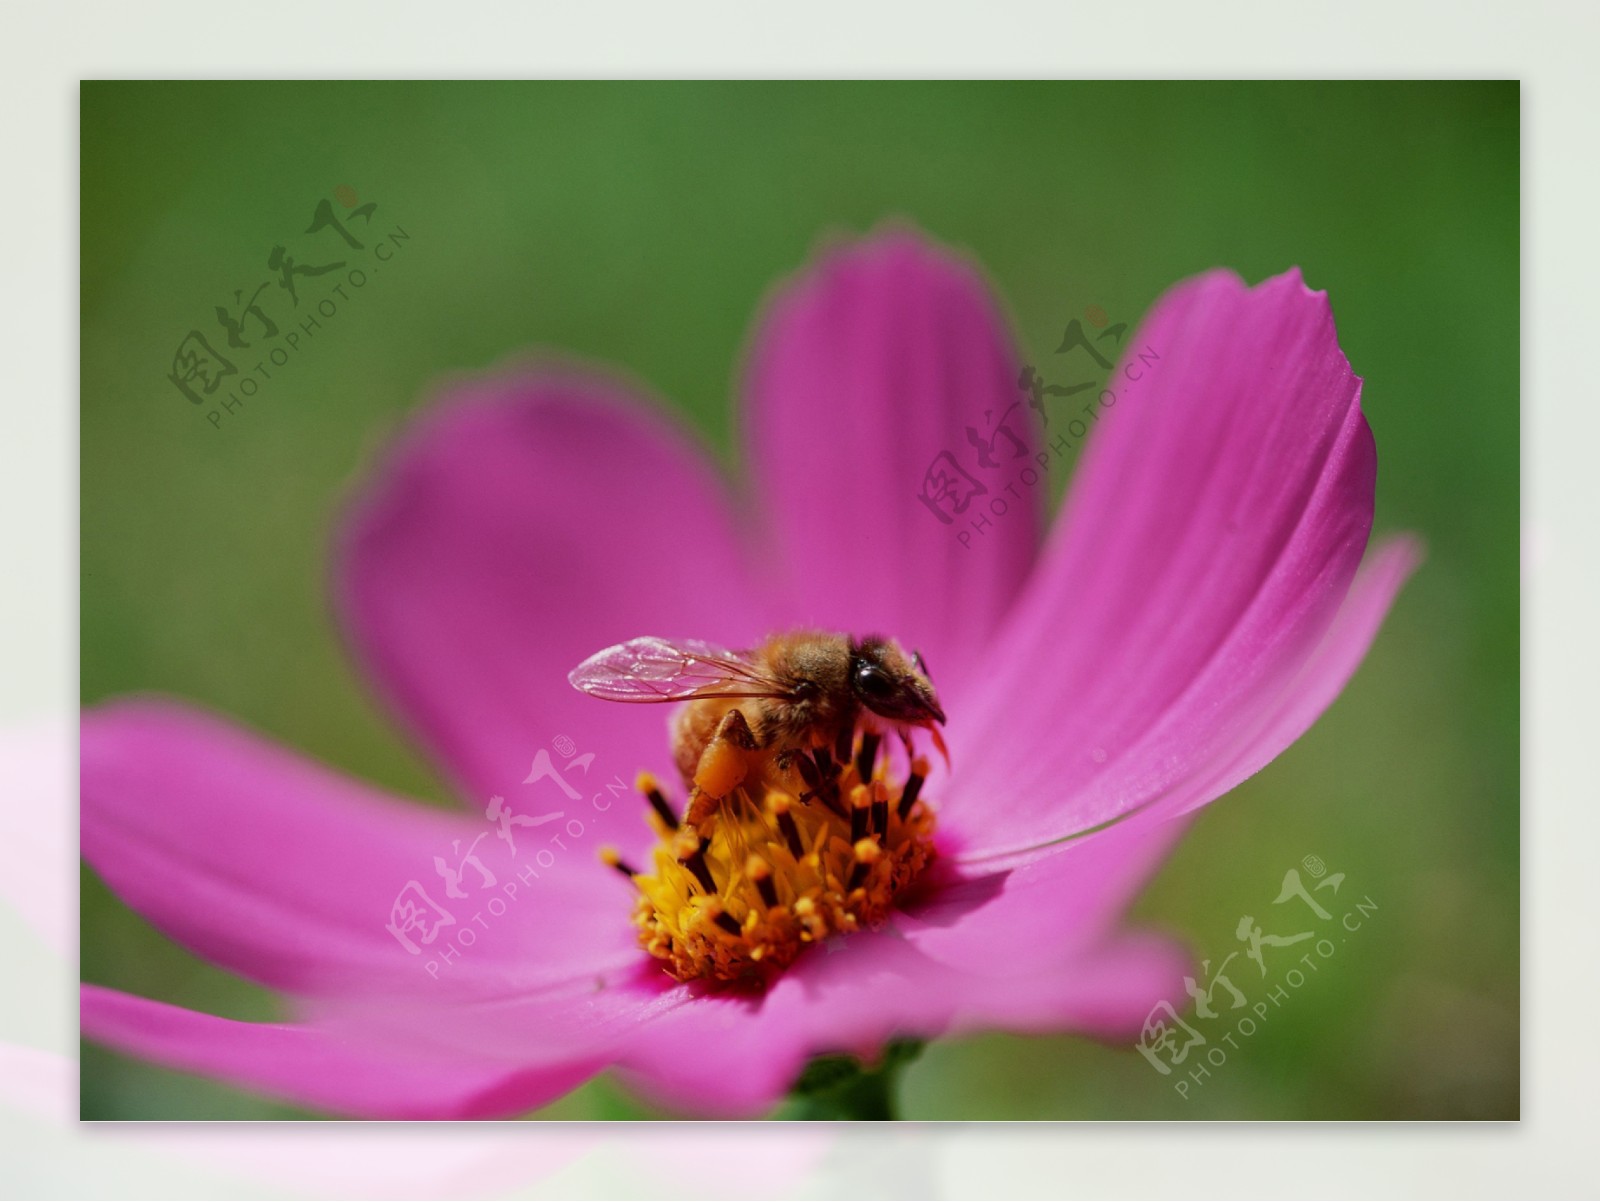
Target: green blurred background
(640, 224)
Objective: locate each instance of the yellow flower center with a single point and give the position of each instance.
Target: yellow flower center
(779, 866)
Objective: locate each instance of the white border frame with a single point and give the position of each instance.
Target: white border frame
(1548, 45)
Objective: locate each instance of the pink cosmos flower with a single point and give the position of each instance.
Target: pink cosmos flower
(1200, 600)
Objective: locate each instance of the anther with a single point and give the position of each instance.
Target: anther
(779, 804)
(860, 813)
(759, 871)
(611, 859)
(695, 862)
(908, 796)
(867, 852)
(868, 754)
(647, 785)
(880, 807)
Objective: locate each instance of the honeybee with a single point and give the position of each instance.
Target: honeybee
(797, 699)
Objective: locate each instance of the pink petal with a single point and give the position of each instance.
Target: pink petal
(733, 1056)
(1040, 914)
(519, 527)
(286, 873)
(312, 1068)
(1107, 991)
(540, 1024)
(1209, 539)
(867, 367)
(1312, 690)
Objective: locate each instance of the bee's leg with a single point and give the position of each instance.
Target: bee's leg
(722, 768)
(683, 746)
(793, 760)
(817, 771)
(807, 768)
(826, 784)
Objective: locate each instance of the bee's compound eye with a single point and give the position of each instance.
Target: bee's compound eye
(873, 683)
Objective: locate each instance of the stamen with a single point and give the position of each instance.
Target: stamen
(759, 871)
(880, 807)
(792, 874)
(860, 812)
(779, 804)
(866, 852)
(908, 798)
(868, 755)
(695, 862)
(646, 784)
(611, 859)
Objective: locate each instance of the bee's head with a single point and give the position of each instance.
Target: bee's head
(892, 684)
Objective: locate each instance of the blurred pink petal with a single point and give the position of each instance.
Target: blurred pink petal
(308, 1066)
(286, 873)
(865, 367)
(521, 524)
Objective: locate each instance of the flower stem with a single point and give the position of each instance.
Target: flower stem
(840, 1087)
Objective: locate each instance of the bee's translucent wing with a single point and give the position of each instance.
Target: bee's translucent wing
(652, 669)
